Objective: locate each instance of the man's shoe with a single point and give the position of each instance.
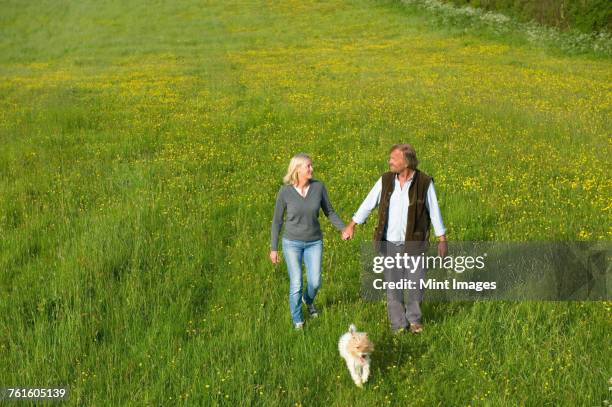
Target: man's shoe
(311, 309)
(416, 328)
(298, 326)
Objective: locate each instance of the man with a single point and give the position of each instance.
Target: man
(407, 206)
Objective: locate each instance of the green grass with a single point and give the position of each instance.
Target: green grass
(142, 148)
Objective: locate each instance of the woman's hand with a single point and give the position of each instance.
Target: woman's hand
(274, 257)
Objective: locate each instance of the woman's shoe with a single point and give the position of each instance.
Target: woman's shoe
(298, 326)
(311, 309)
(416, 328)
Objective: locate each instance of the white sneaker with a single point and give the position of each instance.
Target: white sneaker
(298, 326)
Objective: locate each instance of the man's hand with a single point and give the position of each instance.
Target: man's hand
(274, 257)
(443, 246)
(348, 231)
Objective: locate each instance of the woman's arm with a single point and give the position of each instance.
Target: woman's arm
(328, 210)
(277, 219)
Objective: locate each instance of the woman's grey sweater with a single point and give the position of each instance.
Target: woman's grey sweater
(302, 213)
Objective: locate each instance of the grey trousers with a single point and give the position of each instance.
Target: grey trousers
(403, 305)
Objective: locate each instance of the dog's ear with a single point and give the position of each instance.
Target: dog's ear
(352, 329)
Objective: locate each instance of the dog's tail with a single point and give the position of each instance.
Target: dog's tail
(352, 328)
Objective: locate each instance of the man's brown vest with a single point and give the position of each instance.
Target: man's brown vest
(417, 227)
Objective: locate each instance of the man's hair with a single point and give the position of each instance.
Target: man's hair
(409, 154)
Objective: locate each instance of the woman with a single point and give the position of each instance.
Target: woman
(301, 198)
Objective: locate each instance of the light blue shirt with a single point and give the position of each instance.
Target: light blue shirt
(398, 209)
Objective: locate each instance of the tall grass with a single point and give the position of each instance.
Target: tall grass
(586, 16)
(491, 23)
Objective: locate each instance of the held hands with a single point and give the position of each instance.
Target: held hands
(274, 257)
(346, 235)
(348, 231)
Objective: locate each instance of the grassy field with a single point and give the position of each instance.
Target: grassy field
(142, 146)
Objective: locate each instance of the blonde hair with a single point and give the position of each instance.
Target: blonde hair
(409, 154)
(294, 165)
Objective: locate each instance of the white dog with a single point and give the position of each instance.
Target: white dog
(355, 348)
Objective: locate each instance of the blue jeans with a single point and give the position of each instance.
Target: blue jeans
(312, 252)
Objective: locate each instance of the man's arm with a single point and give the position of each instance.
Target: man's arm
(436, 220)
(367, 206)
